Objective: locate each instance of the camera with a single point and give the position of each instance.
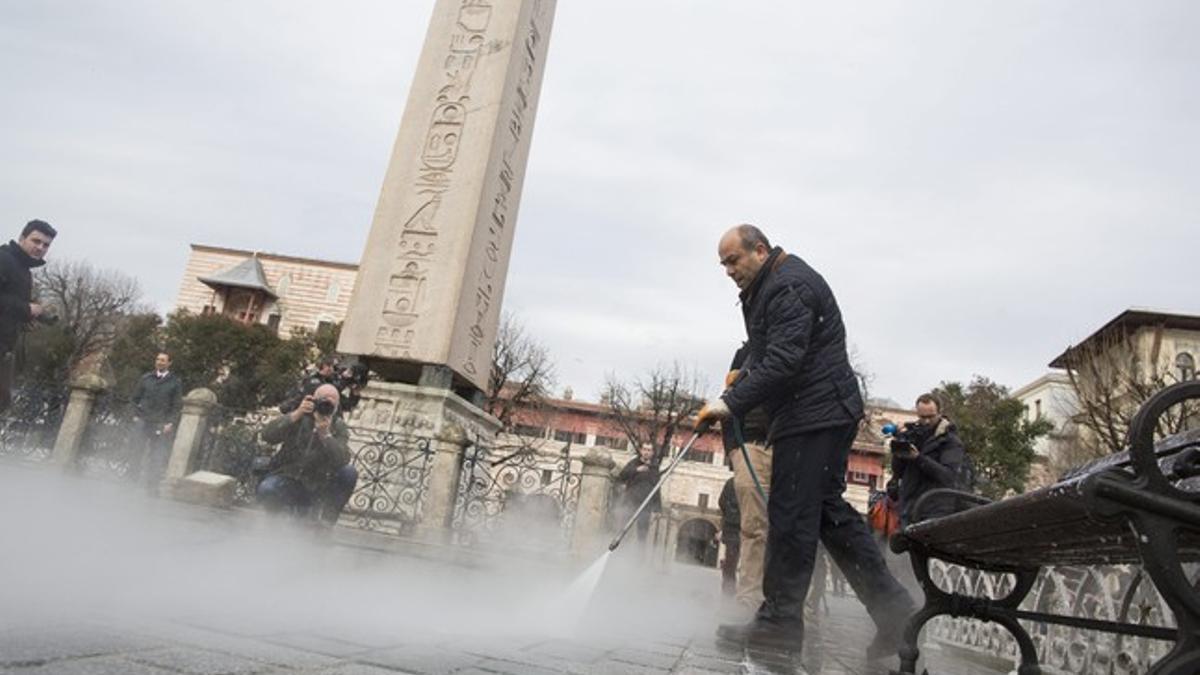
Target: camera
(324, 407)
(902, 437)
(46, 319)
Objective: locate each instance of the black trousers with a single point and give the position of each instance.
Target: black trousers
(808, 477)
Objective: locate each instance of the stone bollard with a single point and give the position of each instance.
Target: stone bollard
(84, 391)
(595, 486)
(193, 422)
(445, 473)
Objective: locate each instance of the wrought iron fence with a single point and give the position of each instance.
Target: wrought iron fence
(29, 426)
(1114, 593)
(523, 499)
(393, 479)
(393, 469)
(112, 445)
(230, 446)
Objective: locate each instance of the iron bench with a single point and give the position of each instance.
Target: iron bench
(1140, 506)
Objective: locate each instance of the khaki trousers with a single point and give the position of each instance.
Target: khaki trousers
(754, 521)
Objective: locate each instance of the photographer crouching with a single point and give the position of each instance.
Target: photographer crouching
(310, 475)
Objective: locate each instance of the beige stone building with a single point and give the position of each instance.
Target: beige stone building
(1121, 364)
(283, 292)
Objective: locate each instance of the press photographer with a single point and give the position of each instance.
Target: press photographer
(310, 475)
(349, 381)
(925, 456)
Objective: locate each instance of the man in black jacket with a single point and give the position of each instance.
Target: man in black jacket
(17, 308)
(311, 475)
(932, 460)
(797, 369)
(639, 477)
(156, 401)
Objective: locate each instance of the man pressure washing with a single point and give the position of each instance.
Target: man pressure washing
(797, 369)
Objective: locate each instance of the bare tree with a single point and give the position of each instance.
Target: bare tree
(1112, 381)
(521, 374)
(89, 304)
(651, 409)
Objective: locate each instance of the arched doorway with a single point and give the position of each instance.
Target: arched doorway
(696, 543)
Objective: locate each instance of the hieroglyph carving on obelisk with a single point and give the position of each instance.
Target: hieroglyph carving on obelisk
(432, 276)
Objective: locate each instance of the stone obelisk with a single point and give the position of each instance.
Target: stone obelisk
(427, 300)
(432, 276)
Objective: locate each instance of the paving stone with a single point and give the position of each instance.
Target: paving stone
(102, 665)
(318, 644)
(641, 657)
(420, 659)
(38, 643)
(200, 661)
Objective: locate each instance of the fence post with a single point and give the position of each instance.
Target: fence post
(193, 422)
(445, 473)
(84, 391)
(595, 486)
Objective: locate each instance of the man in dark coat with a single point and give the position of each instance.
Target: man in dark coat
(932, 460)
(17, 308)
(311, 474)
(797, 369)
(639, 477)
(156, 401)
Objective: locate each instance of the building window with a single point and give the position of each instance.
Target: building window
(702, 456)
(1186, 365)
(564, 436)
(547, 477)
(613, 442)
(284, 284)
(335, 289)
(273, 322)
(529, 430)
(208, 309)
(1037, 409)
(860, 478)
(324, 326)
(703, 501)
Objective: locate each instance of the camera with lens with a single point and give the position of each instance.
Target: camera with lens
(902, 438)
(324, 406)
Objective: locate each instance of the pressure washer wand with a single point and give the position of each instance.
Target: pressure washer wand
(663, 479)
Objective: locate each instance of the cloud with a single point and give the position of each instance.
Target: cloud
(981, 183)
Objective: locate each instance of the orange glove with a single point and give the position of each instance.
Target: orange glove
(711, 412)
(731, 377)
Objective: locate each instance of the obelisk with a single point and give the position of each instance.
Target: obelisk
(431, 279)
(427, 300)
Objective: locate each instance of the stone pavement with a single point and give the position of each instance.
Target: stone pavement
(94, 579)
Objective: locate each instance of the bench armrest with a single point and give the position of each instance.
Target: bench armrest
(962, 501)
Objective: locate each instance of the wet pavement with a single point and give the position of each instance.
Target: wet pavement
(95, 579)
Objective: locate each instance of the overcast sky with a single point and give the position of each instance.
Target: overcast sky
(982, 183)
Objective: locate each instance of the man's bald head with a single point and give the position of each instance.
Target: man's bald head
(742, 250)
(327, 392)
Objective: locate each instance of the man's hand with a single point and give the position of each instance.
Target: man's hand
(168, 428)
(36, 310)
(305, 408)
(321, 425)
(711, 412)
(731, 377)
(642, 467)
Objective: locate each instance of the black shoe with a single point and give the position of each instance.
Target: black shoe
(784, 637)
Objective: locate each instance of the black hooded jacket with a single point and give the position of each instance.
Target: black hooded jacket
(937, 466)
(796, 366)
(16, 291)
